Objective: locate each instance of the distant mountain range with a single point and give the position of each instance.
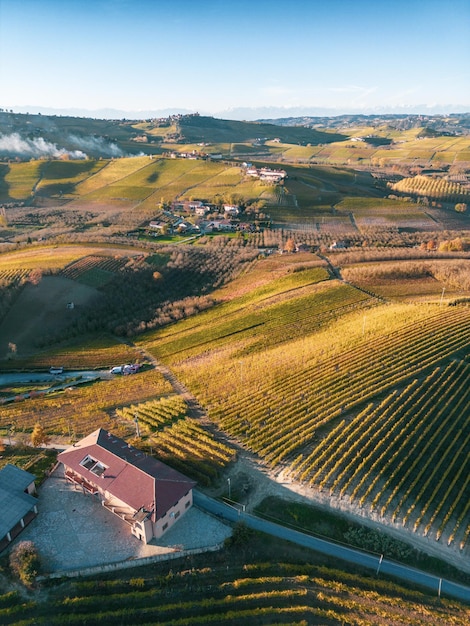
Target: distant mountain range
(246, 113)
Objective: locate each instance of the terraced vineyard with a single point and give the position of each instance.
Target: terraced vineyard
(13, 276)
(178, 440)
(155, 414)
(397, 456)
(95, 270)
(298, 305)
(304, 401)
(250, 592)
(360, 422)
(432, 188)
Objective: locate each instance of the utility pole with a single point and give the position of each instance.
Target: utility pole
(137, 429)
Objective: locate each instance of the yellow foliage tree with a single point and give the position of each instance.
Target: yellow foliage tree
(39, 436)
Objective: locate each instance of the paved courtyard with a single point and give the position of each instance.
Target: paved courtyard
(73, 530)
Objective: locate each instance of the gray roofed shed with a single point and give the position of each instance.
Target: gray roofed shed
(17, 506)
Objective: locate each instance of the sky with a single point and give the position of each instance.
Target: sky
(224, 56)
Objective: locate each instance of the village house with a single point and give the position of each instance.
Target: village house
(201, 210)
(266, 174)
(166, 221)
(195, 206)
(146, 494)
(272, 176)
(218, 226)
(231, 209)
(18, 506)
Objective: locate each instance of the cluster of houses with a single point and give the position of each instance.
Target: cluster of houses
(147, 495)
(171, 222)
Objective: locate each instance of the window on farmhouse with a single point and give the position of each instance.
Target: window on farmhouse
(187, 504)
(177, 514)
(165, 526)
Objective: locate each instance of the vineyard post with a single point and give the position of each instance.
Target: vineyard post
(439, 588)
(137, 429)
(442, 295)
(380, 563)
(229, 488)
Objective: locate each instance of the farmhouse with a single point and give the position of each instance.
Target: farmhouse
(231, 209)
(166, 220)
(273, 176)
(196, 206)
(218, 225)
(146, 494)
(17, 504)
(266, 174)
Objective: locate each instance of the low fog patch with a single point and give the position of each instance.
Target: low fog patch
(16, 146)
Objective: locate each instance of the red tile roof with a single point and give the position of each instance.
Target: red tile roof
(130, 475)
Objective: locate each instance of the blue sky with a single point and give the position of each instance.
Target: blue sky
(216, 55)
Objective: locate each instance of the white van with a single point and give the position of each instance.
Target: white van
(56, 370)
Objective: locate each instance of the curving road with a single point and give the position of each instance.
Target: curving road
(58, 381)
(357, 557)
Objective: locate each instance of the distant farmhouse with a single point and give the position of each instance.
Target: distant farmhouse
(17, 504)
(167, 222)
(265, 173)
(146, 494)
(231, 209)
(191, 206)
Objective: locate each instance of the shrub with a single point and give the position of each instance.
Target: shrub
(240, 536)
(24, 562)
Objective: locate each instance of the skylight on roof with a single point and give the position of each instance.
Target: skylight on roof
(88, 462)
(94, 466)
(98, 469)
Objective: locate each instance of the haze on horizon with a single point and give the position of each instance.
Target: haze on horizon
(218, 57)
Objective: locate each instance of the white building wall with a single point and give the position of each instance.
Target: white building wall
(161, 526)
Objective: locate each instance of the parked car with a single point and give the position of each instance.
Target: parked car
(56, 370)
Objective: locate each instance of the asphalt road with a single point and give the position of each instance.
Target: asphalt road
(44, 377)
(377, 563)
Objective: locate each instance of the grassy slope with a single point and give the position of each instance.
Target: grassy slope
(200, 128)
(141, 183)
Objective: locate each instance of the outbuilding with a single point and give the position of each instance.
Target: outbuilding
(18, 506)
